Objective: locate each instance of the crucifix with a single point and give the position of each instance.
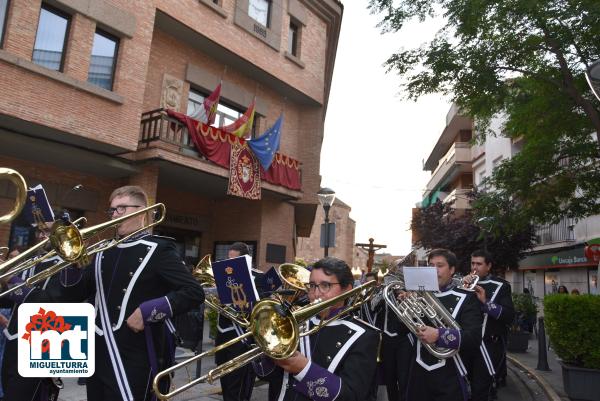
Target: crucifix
(371, 247)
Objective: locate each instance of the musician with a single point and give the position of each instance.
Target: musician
(16, 387)
(237, 385)
(139, 285)
(339, 361)
(433, 379)
(494, 295)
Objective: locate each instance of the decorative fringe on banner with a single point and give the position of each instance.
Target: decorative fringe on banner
(244, 173)
(216, 145)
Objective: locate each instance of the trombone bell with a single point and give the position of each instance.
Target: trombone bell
(19, 182)
(67, 241)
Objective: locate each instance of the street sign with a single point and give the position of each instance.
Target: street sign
(331, 235)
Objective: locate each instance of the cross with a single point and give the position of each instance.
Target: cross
(371, 247)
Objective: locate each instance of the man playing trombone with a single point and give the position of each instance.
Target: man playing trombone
(138, 285)
(339, 361)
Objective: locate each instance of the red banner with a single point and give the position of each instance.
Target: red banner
(216, 144)
(244, 173)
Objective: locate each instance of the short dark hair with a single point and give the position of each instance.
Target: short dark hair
(480, 253)
(336, 267)
(446, 254)
(241, 247)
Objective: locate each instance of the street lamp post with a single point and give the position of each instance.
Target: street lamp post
(326, 198)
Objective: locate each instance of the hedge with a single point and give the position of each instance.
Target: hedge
(573, 325)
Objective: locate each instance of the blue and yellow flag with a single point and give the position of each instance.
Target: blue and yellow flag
(265, 146)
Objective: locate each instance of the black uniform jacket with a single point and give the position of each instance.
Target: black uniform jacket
(499, 310)
(342, 367)
(464, 307)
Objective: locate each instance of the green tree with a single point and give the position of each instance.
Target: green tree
(525, 60)
(441, 226)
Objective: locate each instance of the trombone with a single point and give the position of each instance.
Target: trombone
(19, 182)
(70, 244)
(276, 330)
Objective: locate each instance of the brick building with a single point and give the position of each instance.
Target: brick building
(85, 83)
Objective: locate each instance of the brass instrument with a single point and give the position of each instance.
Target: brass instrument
(416, 308)
(19, 182)
(203, 274)
(70, 244)
(276, 333)
(295, 278)
(469, 286)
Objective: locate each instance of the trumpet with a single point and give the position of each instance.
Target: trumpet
(417, 306)
(470, 285)
(276, 332)
(19, 182)
(70, 244)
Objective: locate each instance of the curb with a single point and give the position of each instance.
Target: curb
(546, 387)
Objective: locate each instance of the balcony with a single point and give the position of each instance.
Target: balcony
(167, 139)
(553, 233)
(454, 162)
(460, 197)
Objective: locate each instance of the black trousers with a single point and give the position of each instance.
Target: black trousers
(396, 354)
(481, 380)
(19, 388)
(102, 385)
(237, 385)
(441, 384)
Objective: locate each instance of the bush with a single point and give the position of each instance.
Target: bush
(573, 326)
(525, 312)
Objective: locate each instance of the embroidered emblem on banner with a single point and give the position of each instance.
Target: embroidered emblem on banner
(244, 173)
(238, 295)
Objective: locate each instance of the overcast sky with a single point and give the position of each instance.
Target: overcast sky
(375, 141)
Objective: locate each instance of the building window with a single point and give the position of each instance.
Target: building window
(226, 114)
(293, 39)
(3, 14)
(103, 61)
(51, 38)
(260, 11)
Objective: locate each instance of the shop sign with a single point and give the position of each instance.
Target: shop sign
(574, 256)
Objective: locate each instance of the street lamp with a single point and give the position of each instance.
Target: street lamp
(326, 198)
(593, 78)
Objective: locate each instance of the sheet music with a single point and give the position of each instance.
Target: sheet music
(421, 278)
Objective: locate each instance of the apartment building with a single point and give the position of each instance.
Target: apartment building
(559, 256)
(86, 84)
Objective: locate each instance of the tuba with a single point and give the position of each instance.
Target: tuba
(417, 309)
(19, 182)
(73, 245)
(276, 331)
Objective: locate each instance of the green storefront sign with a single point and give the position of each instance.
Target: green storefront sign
(558, 258)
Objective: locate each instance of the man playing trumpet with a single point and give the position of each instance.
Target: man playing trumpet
(494, 295)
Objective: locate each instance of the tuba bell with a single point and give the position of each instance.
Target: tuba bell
(418, 309)
(19, 182)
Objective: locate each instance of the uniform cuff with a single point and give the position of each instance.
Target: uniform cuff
(449, 338)
(70, 276)
(492, 309)
(156, 310)
(318, 383)
(18, 296)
